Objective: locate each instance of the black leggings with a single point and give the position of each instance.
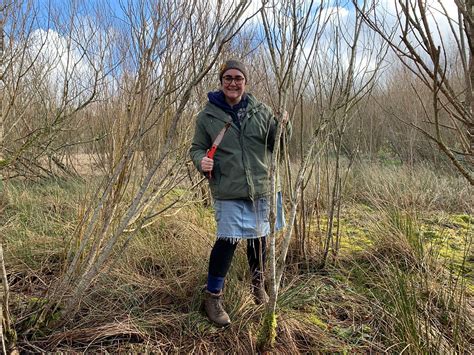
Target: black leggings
(223, 251)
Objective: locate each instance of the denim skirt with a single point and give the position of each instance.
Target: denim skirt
(246, 219)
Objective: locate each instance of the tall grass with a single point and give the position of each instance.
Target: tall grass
(39, 218)
(416, 266)
(423, 303)
(398, 293)
(418, 187)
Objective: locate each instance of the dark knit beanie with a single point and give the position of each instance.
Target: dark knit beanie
(233, 64)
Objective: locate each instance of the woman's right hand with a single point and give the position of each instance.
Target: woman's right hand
(207, 164)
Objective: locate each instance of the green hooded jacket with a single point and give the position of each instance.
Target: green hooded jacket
(243, 158)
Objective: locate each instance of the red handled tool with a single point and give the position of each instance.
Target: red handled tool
(210, 153)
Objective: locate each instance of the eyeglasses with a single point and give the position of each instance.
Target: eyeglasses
(229, 79)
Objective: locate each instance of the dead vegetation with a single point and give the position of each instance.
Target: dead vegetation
(149, 298)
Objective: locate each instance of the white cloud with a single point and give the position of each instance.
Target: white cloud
(333, 11)
(438, 14)
(449, 5)
(441, 18)
(59, 63)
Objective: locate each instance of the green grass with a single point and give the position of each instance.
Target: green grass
(38, 219)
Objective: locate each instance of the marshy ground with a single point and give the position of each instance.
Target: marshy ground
(402, 278)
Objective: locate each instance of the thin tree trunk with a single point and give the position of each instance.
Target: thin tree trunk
(2, 83)
(8, 334)
(470, 94)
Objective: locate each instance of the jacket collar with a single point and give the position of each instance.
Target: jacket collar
(217, 98)
(216, 111)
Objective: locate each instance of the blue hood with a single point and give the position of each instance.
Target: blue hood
(217, 98)
(237, 112)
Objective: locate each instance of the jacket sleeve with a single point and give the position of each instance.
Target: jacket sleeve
(200, 144)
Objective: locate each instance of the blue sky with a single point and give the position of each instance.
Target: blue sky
(106, 14)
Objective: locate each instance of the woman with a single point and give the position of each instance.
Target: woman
(238, 176)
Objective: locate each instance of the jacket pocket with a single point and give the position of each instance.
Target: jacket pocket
(215, 181)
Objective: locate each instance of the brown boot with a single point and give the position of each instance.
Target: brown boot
(258, 291)
(212, 304)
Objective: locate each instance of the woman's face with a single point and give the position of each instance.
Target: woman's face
(233, 86)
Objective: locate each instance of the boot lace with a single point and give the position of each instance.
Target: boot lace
(218, 306)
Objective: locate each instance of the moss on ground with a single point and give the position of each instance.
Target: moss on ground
(451, 237)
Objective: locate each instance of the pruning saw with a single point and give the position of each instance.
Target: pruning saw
(210, 153)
